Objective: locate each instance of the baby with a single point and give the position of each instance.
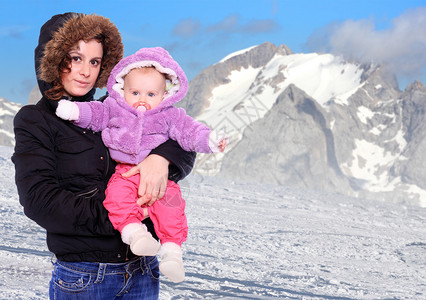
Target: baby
(137, 116)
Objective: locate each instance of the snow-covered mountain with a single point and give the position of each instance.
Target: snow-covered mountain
(313, 121)
(7, 112)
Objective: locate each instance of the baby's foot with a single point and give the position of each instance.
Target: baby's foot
(142, 243)
(171, 264)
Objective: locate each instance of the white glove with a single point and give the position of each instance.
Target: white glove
(217, 141)
(67, 110)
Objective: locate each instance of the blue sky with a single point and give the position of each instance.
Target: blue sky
(200, 33)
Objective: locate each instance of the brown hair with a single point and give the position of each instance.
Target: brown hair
(57, 90)
(56, 57)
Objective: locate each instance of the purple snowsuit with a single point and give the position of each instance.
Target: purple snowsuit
(131, 134)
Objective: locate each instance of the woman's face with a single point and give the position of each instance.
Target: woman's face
(85, 65)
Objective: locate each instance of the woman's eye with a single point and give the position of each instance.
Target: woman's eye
(95, 62)
(75, 58)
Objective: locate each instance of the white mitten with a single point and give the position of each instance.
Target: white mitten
(217, 141)
(67, 110)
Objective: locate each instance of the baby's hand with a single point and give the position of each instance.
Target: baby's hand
(218, 141)
(67, 110)
(222, 145)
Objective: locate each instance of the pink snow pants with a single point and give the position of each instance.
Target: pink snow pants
(167, 214)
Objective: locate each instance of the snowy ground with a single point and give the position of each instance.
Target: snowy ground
(254, 242)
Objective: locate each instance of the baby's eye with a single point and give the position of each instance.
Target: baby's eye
(135, 93)
(151, 94)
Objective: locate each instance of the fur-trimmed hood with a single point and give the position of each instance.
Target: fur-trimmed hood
(150, 57)
(62, 32)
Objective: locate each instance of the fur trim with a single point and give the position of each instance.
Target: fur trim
(82, 27)
(119, 86)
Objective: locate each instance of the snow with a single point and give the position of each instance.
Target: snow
(4, 112)
(364, 113)
(6, 132)
(314, 73)
(366, 156)
(368, 95)
(378, 129)
(400, 140)
(317, 75)
(370, 163)
(225, 97)
(11, 108)
(252, 241)
(237, 53)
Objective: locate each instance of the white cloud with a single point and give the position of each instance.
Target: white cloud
(402, 46)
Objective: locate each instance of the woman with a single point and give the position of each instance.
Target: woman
(62, 170)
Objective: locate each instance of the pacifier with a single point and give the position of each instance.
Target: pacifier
(142, 106)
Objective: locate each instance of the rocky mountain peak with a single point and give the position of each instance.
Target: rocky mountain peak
(314, 121)
(201, 86)
(416, 86)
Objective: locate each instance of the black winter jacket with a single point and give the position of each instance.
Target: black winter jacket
(62, 172)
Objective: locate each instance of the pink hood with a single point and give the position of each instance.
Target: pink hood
(156, 57)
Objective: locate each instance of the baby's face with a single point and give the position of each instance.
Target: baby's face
(144, 86)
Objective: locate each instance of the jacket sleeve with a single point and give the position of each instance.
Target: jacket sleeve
(94, 115)
(44, 201)
(189, 133)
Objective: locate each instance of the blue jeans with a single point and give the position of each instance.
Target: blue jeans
(135, 279)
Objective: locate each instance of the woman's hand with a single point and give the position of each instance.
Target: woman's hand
(154, 171)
